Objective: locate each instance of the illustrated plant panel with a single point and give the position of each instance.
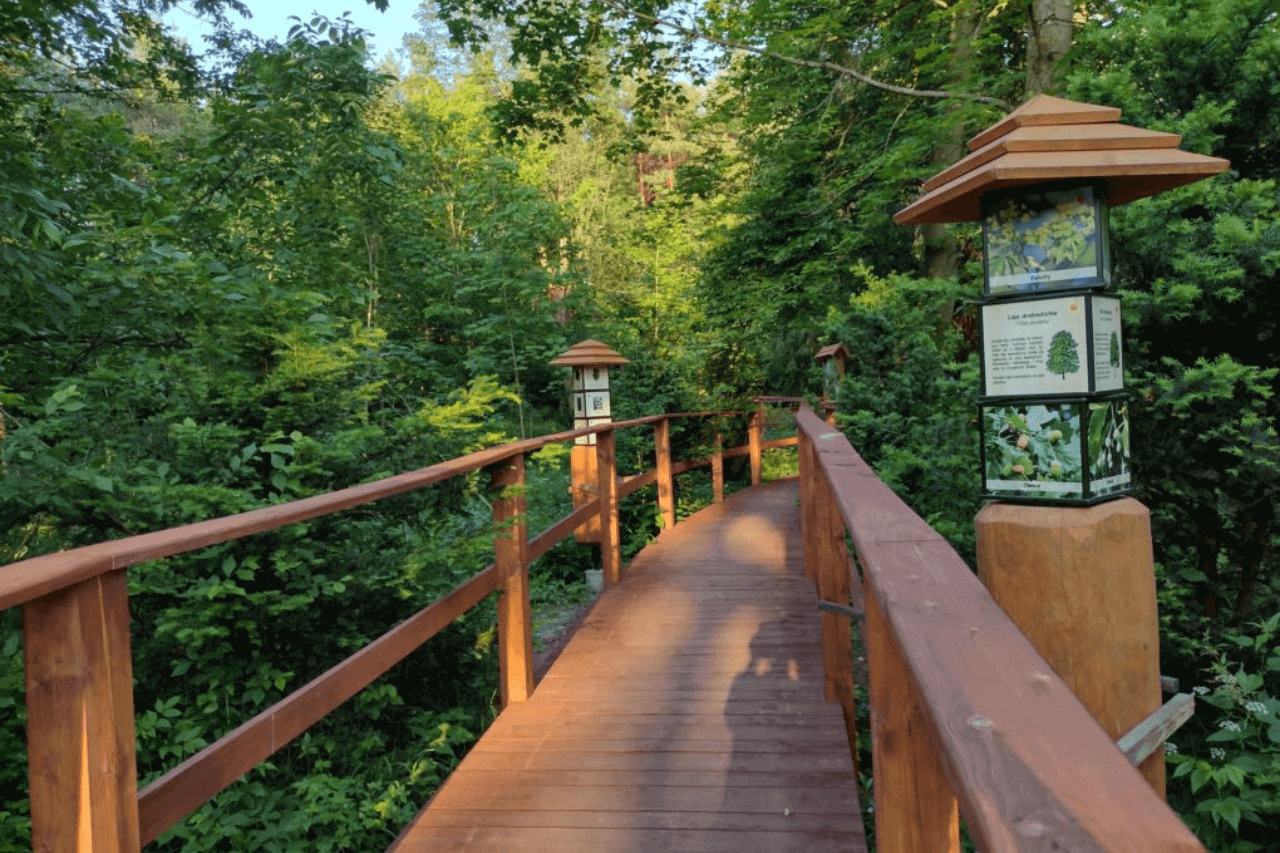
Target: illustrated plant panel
(1108, 446)
(1033, 449)
(1075, 450)
(1043, 241)
(1054, 346)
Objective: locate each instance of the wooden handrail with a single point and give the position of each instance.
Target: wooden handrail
(963, 708)
(78, 661)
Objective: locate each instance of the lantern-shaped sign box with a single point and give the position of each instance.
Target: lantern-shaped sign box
(1051, 346)
(589, 395)
(832, 359)
(590, 399)
(1050, 237)
(1054, 423)
(1073, 451)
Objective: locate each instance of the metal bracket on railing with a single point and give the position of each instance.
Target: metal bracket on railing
(1150, 734)
(842, 609)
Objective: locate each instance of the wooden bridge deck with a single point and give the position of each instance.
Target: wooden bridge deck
(686, 714)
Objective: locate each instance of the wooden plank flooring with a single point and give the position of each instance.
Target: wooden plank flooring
(686, 714)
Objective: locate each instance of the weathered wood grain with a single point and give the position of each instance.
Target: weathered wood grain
(1149, 735)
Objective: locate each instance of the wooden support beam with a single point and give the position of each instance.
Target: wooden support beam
(80, 736)
(717, 470)
(915, 809)
(755, 435)
(808, 511)
(666, 485)
(606, 470)
(515, 619)
(1149, 736)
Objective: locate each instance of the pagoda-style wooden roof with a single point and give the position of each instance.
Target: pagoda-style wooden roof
(1051, 139)
(589, 352)
(832, 350)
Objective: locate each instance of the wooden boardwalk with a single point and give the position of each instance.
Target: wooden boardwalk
(686, 714)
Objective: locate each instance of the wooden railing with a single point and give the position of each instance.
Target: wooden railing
(966, 717)
(79, 674)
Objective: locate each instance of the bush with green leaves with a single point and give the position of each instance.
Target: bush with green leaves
(1225, 763)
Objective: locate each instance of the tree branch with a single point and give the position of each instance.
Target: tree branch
(807, 63)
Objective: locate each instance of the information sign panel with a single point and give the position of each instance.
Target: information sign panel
(1051, 347)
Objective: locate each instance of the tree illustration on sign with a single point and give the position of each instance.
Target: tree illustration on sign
(1062, 354)
(1115, 350)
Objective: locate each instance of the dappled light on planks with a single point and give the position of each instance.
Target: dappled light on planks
(686, 714)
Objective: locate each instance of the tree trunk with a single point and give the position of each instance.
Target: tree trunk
(1048, 40)
(942, 256)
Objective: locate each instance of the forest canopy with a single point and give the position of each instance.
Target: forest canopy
(290, 266)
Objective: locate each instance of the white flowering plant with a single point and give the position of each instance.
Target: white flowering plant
(1225, 778)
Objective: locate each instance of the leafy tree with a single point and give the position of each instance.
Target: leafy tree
(1063, 358)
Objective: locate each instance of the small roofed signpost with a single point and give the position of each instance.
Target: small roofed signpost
(1060, 547)
(589, 397)
(832, 358)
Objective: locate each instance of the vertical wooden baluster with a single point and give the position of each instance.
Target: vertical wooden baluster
(80, 730)
(666, 486)
(755, 432)
(834, 585)
(515, 622)
(916, 812)
(833, 561)
(808, 498)
(606, 469)
(717, 470)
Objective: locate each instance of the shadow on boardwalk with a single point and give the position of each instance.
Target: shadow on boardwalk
(686, 714)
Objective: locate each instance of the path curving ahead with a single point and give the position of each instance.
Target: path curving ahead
(686, 714)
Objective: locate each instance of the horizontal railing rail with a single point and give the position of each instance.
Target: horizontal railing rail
(77, 654)
(966, 716)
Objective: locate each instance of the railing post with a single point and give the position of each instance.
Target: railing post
(755, 436)
(717, 469)
(80, 728)
(606, 470)
(515, 621)
(666, 486)
(916, 811)
(808, 497)
(833, 585)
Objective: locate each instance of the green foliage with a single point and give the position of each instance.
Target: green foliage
(906, 402)
(1226, 762)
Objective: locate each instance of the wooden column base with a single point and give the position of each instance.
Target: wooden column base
(1080, 583)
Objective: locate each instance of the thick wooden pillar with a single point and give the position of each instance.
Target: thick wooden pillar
(1080, 583)
(755, 437)
(916, 811)
(582, 477)
(607, 483)
(80, 735)
(666, 485)
(515, 620)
